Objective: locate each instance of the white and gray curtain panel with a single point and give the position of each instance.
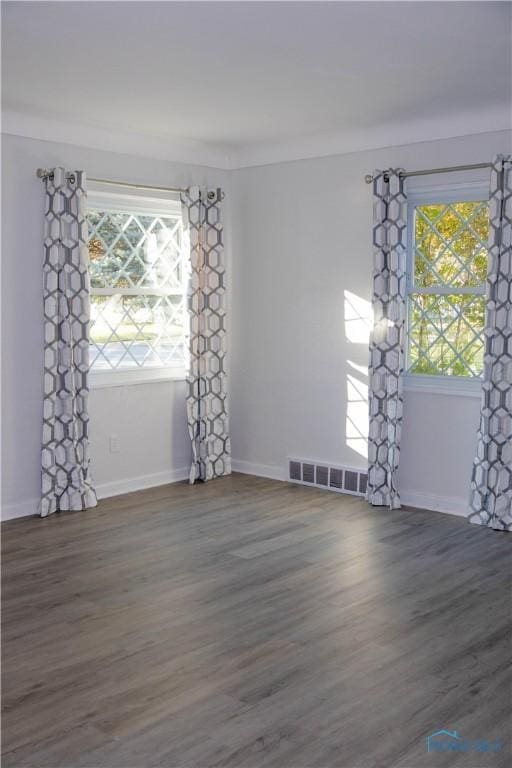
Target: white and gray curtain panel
(66, 481)
(207, 381)
(385, 370)
(491, 484)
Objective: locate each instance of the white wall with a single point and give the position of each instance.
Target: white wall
(149, 418)
(301, 233)
(303, 238)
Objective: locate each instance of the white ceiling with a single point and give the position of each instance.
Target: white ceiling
(261, 78)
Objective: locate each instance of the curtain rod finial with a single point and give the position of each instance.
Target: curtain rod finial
(368, 178)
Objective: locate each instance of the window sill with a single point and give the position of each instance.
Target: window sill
(455, 386)
(107, 379)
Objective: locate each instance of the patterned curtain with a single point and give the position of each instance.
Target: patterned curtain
(66, 482)
(207, 384)
(387, 340)
(491, 484)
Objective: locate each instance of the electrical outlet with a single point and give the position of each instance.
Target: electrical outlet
(114, 444)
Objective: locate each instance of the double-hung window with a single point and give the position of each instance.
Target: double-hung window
(447, 268)
(138, 267)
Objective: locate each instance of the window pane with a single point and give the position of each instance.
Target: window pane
(130, 250)
(451, 244)
(136, 331)
(446, 334)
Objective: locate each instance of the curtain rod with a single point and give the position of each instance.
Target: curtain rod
(369, 178)
(45, 173)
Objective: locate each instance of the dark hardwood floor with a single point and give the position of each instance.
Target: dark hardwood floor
(250, 623)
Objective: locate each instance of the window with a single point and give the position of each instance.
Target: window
(446, 284)
(138, 269)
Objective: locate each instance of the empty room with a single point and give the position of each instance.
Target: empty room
(256, 424)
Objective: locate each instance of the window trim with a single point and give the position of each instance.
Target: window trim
(461, 386)
(138, 203)
(128, 377)
(464, 386)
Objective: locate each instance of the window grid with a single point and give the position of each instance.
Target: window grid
(138, 270)
(446, 288)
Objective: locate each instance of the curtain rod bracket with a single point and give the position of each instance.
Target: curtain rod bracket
(43, 173)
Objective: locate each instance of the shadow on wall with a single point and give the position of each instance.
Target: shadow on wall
(358, 323)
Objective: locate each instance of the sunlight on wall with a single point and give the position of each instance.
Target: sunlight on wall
(357, 415)
(360, 369)
(358, 323)
(358, 318)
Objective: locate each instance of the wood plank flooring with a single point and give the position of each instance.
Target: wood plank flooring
(249, 623)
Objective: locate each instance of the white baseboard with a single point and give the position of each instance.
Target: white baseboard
(431, 502)
(25, 508)
(448, 505)
(130, 484)
(271, 471)
(30, 507)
